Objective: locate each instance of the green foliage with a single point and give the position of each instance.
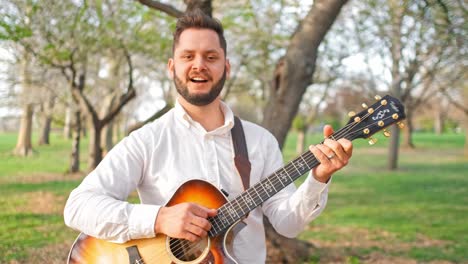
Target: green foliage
(299, 123)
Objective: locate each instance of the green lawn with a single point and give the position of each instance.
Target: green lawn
(416, 213)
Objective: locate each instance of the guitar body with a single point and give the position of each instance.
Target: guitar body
(162, 249)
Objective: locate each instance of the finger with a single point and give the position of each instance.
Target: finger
(337, 149)
(201, 222)
(190, 236)
(327, 151)
(327, 131)
(197, 231)
(202, 211)
(347, 146)
(319, 154)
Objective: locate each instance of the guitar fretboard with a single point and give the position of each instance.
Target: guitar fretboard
(232, 211)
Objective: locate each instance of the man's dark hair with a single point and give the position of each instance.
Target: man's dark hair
(200, 20)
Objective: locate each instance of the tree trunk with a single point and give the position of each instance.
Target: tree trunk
(439, 123)
(395, 88)
(75, 154)
(292, 76)
(67, 128)
(294, 72)
(108, 129)
(408, 130)
(23, 144)
(393, 146)
(44, 137)
(300, 142)
(95, 150)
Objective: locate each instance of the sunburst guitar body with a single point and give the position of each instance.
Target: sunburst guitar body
(163, 249)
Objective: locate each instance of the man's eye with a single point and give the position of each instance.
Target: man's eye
(186, 56)
(212, 57)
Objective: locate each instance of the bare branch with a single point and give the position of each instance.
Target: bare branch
(168, 9)
(129, 94)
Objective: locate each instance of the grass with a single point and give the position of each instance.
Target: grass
(417, 213)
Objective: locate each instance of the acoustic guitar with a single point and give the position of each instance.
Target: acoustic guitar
(216, 247)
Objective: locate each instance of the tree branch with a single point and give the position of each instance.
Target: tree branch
(168, 9)
(129, 94)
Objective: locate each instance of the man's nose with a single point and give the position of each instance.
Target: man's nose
(199, 63)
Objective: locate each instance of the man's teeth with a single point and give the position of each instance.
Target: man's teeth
(198, 79)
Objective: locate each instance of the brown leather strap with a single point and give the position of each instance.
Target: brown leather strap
(241, 158)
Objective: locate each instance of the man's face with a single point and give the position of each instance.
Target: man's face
(199, 66)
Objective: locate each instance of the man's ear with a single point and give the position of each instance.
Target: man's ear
(170, 67)
(228, 68)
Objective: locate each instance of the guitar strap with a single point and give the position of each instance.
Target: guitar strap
(241, 158)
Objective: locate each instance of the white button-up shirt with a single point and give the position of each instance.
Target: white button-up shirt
(156, 159)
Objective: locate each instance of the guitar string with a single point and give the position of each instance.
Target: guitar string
(307, 157)
(291, 167)
(288, 168)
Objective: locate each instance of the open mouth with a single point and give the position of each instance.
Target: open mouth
(198, 80)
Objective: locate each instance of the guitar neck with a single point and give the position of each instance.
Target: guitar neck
(386, 111)
(232, 211)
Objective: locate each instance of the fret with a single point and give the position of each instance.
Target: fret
(298, 171)
(259, 196)
(284, 177)
(250, 200)
(305, 162)
(259, 188)
(222, 216)
(230, 211)
(241, 196)
(260, 183)
(214, 222)
(268, 179)
(240, 207)
(279, 180)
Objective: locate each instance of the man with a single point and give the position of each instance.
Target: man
(193, 141)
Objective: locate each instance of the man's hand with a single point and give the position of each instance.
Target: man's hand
(333, 155)
(186, 220)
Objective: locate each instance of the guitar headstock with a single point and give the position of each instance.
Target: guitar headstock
(385, 112)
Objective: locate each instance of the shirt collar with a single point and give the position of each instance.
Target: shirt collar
(186, 120)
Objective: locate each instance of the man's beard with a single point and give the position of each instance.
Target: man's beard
(199, 99)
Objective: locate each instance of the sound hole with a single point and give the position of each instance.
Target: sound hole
(185, 251)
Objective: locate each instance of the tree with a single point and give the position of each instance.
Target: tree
(413, 45)
(82, 42)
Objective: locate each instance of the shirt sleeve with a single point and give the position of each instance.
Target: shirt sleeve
(292, 209)
(98, 206)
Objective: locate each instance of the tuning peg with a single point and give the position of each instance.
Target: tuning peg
(370, 110)
(364, 106)
(383, 102)
(351, 114)
(381, 123)
(400, 125)
(378, 97)
(395, 116)
(372, 141)
(386, 133)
